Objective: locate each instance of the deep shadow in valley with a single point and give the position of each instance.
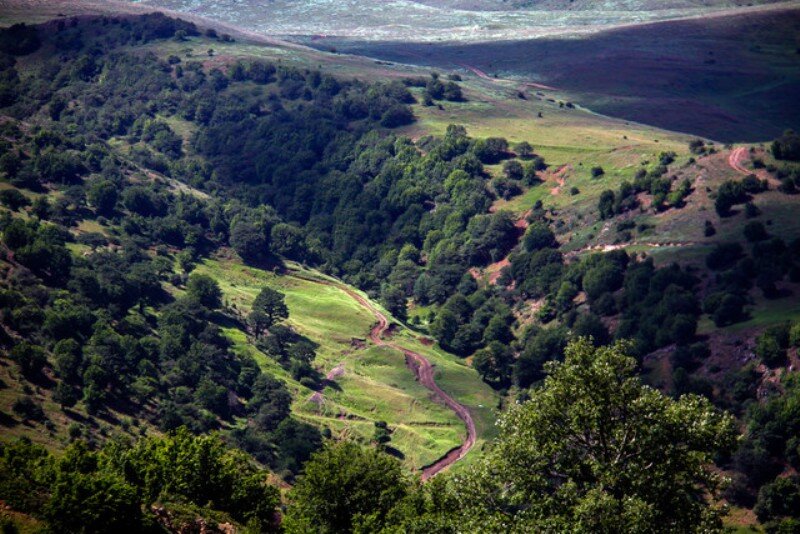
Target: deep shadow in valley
(732, 79)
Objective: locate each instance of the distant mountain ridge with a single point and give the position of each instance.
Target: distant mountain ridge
(444, 20)
(581, 5)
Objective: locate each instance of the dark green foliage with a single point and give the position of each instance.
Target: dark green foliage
(540, 346)
(30, 358)
(288, 241)
(725, 308)
(605, 277)
(344, 488)
(269, 307)
(661, 306)
(723, 256)
(112, 489)
(606, 204)
(143, 201)
(787, 146)
(729, 194)
(394, 299)
(19, 40)
(779, 499)
(547, 471)
(494, 364)
(597, 172)
(28, 409)
(463, 325)
(65, 395)
(539, 236)
(755, 231)
(491, 150)
(513, 169)
(523, 149)
(396, 116)
(102, 194)
(13, 199)
(589, 325)
(206, 290)
(771, 345)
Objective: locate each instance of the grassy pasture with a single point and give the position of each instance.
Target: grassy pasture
(376, 384)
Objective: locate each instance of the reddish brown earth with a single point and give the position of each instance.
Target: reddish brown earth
(494, 270)
(561, 178)
(737, 159)
(424, 371)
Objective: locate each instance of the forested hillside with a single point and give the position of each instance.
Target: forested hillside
(141, 189)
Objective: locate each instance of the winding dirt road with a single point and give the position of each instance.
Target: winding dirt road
(423, 370)
(737, 159)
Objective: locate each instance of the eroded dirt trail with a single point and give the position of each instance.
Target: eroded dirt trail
(424, 371)
(737, 159)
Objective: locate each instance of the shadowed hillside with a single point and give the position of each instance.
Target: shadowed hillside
(732, 78)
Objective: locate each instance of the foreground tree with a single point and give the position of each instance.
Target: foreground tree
(346, 488)
(594, 450)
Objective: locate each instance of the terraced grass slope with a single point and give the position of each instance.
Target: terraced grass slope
(367, 383)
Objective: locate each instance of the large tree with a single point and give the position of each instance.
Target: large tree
(268, 308)
(345, 488)
(594, 450)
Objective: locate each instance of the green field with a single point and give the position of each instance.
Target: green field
(376, 384)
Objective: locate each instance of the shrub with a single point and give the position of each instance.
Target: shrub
(27, 408)
(787, 146)
(13, 199)
(755, 231)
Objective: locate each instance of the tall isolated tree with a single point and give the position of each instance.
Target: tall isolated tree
(269, 307)
(595, 450)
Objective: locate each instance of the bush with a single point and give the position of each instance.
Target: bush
(206, 290)
(787, 146)
(606, 277)
(13, 199)
(729, 194)
(724, 256)
(397, 115)
(755, 231)
(769, 349)
(27, 408)
(779, 499)
(539, 236)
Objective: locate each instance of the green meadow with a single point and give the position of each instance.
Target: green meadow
(375, 384)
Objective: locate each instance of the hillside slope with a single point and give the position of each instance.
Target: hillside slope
(216, 233)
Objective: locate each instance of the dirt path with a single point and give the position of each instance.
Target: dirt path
(424, 371)
(736, 161)
(482, 74)
(560, 177)
(620, 246)
(317, 397)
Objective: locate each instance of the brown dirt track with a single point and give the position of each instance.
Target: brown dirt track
(424, 371)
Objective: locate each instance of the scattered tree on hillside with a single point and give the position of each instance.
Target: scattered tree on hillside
(269, 307)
